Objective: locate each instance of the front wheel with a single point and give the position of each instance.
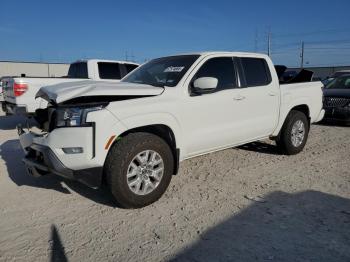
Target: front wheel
(294, 133)
(138, 169)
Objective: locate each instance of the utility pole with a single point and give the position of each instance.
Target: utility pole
(269, 43)
(256, 41)
(126, 55)
(132, 57)
(302, 55)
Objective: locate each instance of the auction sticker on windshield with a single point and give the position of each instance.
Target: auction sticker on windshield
(173, 69)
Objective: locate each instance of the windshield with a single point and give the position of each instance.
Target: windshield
(340, 73)
(342, 82)
(166, 71)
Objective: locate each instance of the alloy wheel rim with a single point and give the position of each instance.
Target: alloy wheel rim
(145, 172)
(298, 133)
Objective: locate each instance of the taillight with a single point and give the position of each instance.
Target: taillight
(19, 88)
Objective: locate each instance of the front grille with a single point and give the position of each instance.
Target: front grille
(335, 102)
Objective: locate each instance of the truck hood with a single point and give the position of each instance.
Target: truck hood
(344, 93)
(66, 91)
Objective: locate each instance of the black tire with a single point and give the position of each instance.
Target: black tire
(284, 141)
(117, 163)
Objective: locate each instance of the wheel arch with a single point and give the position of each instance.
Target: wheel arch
(302, 107)
(163, 131)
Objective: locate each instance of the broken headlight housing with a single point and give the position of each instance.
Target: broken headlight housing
(73, 116)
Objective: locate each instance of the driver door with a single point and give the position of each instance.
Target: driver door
(213, 120)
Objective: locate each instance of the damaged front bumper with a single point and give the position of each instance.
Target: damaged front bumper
(40, 160)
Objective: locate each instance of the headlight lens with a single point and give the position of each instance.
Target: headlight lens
(73, 116)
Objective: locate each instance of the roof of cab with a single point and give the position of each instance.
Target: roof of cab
(207, 53)
(106, 61)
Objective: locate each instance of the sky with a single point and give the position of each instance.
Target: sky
(64, 31)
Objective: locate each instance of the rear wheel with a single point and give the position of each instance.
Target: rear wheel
(294, 133)
(138, 169)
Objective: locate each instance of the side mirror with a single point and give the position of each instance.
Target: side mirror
(205, 84)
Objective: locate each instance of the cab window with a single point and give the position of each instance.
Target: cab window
(108, 70)
(222, 68)
(256, 71)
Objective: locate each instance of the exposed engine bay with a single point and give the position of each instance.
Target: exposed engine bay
(48, 118)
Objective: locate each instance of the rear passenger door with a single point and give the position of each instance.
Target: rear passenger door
(259, 97)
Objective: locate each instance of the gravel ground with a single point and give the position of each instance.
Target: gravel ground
(241, 204)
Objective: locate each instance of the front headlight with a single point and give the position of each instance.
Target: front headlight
(73, 116)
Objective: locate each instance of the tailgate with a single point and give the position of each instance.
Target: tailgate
(26, 88)
(7, 87)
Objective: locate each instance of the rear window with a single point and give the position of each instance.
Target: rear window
(109, 70)
(256, 71)
(78, 70)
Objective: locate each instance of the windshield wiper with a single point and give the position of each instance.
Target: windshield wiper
(157, 84)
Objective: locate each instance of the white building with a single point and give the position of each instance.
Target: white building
(11, 68)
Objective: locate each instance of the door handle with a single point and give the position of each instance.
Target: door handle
(272, 94)
(239, 97)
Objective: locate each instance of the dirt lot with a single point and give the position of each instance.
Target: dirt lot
(246, 204)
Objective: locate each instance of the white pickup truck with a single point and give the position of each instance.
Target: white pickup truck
(1, 95)
(19, 92)
(132, 135)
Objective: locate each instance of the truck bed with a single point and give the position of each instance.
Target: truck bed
(305, 93)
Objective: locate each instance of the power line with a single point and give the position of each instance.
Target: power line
(282, 45)
(312, 33)
(315, 44)
(328, 48)
(342, 41)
